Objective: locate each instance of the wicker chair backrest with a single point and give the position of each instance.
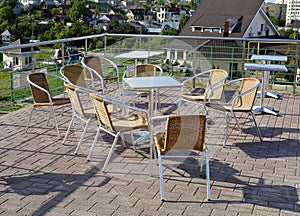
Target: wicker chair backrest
(184, 132)
(102, 113)
(75, 74)
(38, 95)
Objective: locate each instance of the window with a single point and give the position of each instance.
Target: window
(16, 61)
(261, 27)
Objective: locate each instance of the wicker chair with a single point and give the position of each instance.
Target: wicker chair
(75, 74)
(113, 124)
(183, 132)
(141, 70)
(41, 96)
(215, 77)
(84, 115)
(104, 67)
(242, 101)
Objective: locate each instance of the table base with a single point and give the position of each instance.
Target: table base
(269, 94)
(261, 109)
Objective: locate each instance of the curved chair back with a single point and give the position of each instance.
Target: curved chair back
(74, 98)
(102, 112)
(183, 132)
(37, 82)
(74, 74)
(102, 66)
(248, 90)
(143, 70)
(94, 63)
(216, 77)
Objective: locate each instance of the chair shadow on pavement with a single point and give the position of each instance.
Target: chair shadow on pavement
(44, 183)
(254, 191)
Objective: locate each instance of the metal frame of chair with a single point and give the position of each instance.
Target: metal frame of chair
(182, 132)
(84, 115)
(216, 77)
(103, 67)
(41, 95)
(115, 125)
(243, 101)
(77, 75)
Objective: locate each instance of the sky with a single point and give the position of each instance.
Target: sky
(273, 1)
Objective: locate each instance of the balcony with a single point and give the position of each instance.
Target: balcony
(40, 176)
(183, 57)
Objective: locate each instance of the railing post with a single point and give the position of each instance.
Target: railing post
(56, 80)
(105, 41)
(62, 53)
(296, 68)
(32, 59)
(85, 46)
(243, 57)
(11, 77)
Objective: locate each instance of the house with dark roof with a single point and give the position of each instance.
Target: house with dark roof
(135, 15)
(169, 13)
(7, 36)
(20, 58)
(222, 18)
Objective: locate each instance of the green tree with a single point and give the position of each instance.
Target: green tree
(52, 33)
(160, 2)
(76, 30)
(77, 12)
(171, 31)
(7, 18)
(11, 3)
(285, 33)
(183, 20)
(294, 35)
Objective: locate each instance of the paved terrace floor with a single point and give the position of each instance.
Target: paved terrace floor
(40, 176)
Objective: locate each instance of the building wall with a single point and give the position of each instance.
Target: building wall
(277, 11)
(292, 11)
(17, 61)
(259, 27)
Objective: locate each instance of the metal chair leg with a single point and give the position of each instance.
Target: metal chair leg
(161, 179)
(82, 135)
(93, 145)
(55, 122)
(228, 120)
(69, 128)
(110, 152)
(30, 116)
(257, 129)
(207, 174)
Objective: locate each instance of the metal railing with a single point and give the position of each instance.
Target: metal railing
(182, 56)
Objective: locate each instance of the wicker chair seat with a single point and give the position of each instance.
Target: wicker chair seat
(129, 123)
(193, 96)
(226, 107)
(55, 102)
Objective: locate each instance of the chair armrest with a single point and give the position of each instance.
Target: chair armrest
(119, 103)
(214, 87)
(159, 118)
(195, 76)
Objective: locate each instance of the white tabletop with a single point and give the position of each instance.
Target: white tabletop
(152, 82)
(269, 57)
(265, 67)
(139, 54)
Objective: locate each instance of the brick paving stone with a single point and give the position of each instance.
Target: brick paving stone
(123, 211)
(43, 177)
